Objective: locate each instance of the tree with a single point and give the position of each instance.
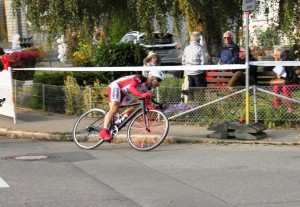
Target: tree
(289, 18)
(287, 21)
(55, 18)
(66, 16)
(217, 16)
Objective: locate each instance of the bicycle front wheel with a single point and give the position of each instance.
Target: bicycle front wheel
(87, 127)
(145, 138)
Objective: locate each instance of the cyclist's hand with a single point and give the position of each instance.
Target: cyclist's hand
(146, 95)
(158, 107)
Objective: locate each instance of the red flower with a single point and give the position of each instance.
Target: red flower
(24, 59)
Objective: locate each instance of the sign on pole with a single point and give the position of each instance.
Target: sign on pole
(249, 5)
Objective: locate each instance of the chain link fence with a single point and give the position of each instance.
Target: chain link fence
(195, 106)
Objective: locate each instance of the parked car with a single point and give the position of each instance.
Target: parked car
(164, 44)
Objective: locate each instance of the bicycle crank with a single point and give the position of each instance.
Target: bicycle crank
(113, 130)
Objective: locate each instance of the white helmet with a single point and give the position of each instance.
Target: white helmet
(157, 73)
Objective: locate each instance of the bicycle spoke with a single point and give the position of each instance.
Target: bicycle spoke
(138, 135)
(87, 128)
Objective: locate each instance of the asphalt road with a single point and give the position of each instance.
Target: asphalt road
(61, 174)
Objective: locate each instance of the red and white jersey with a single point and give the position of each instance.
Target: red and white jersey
(125, 82)
(121, 90)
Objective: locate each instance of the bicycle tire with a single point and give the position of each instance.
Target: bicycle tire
(87, 127)
(141, 139)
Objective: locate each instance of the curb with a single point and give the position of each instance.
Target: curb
(15, 134)
(183, 140)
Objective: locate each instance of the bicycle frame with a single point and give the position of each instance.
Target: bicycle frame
(142, 107)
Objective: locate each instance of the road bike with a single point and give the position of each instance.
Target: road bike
(146, 130)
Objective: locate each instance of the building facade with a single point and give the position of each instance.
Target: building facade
(11, 24)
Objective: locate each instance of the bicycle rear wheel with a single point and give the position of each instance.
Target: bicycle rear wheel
(87, 127)
(145, 139)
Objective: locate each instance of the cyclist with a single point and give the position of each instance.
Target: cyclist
(119, 92)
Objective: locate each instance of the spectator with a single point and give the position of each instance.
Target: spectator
(228, 54)
(239, 79)
(1, 54)
(194, 54)
(152, 59)
(287, 73)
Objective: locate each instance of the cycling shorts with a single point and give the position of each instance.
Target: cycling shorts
(115, 94)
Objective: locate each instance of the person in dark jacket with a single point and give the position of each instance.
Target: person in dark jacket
(239, 77)
(228, 54)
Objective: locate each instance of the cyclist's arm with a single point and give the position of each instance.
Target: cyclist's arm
(136, 81)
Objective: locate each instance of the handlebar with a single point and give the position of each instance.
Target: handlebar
(162, 105)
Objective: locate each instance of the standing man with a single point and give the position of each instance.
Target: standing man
(229, 53)
(194, 54)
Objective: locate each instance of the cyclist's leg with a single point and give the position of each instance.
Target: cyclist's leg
(127, 100)
(114, 98)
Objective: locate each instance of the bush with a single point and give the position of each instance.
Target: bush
(83, 56)
(79, 99)
(116, 55)
(93, 96)
(73, 97)
(51, 78)
(123, 54)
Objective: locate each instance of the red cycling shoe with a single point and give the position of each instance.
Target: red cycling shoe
(105, 135)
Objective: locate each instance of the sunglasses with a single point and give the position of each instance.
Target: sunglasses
(226, 38)
(242, 51)
(159, 80)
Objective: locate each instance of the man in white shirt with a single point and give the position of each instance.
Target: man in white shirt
(194, 54)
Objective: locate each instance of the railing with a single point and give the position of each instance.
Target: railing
(209, 105)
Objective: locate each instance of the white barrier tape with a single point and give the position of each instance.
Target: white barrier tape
(141, 68)
(275, 63)
(170, 68)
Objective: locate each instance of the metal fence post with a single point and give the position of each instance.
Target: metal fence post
(43, 97)
(90, 97)
(255, 102)
(15, 90)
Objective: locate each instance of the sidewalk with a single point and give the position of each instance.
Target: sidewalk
(59, 128)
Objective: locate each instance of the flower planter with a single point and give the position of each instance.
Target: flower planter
(24, 59)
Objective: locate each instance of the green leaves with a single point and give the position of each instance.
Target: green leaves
(125, 54)
(59, 17)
